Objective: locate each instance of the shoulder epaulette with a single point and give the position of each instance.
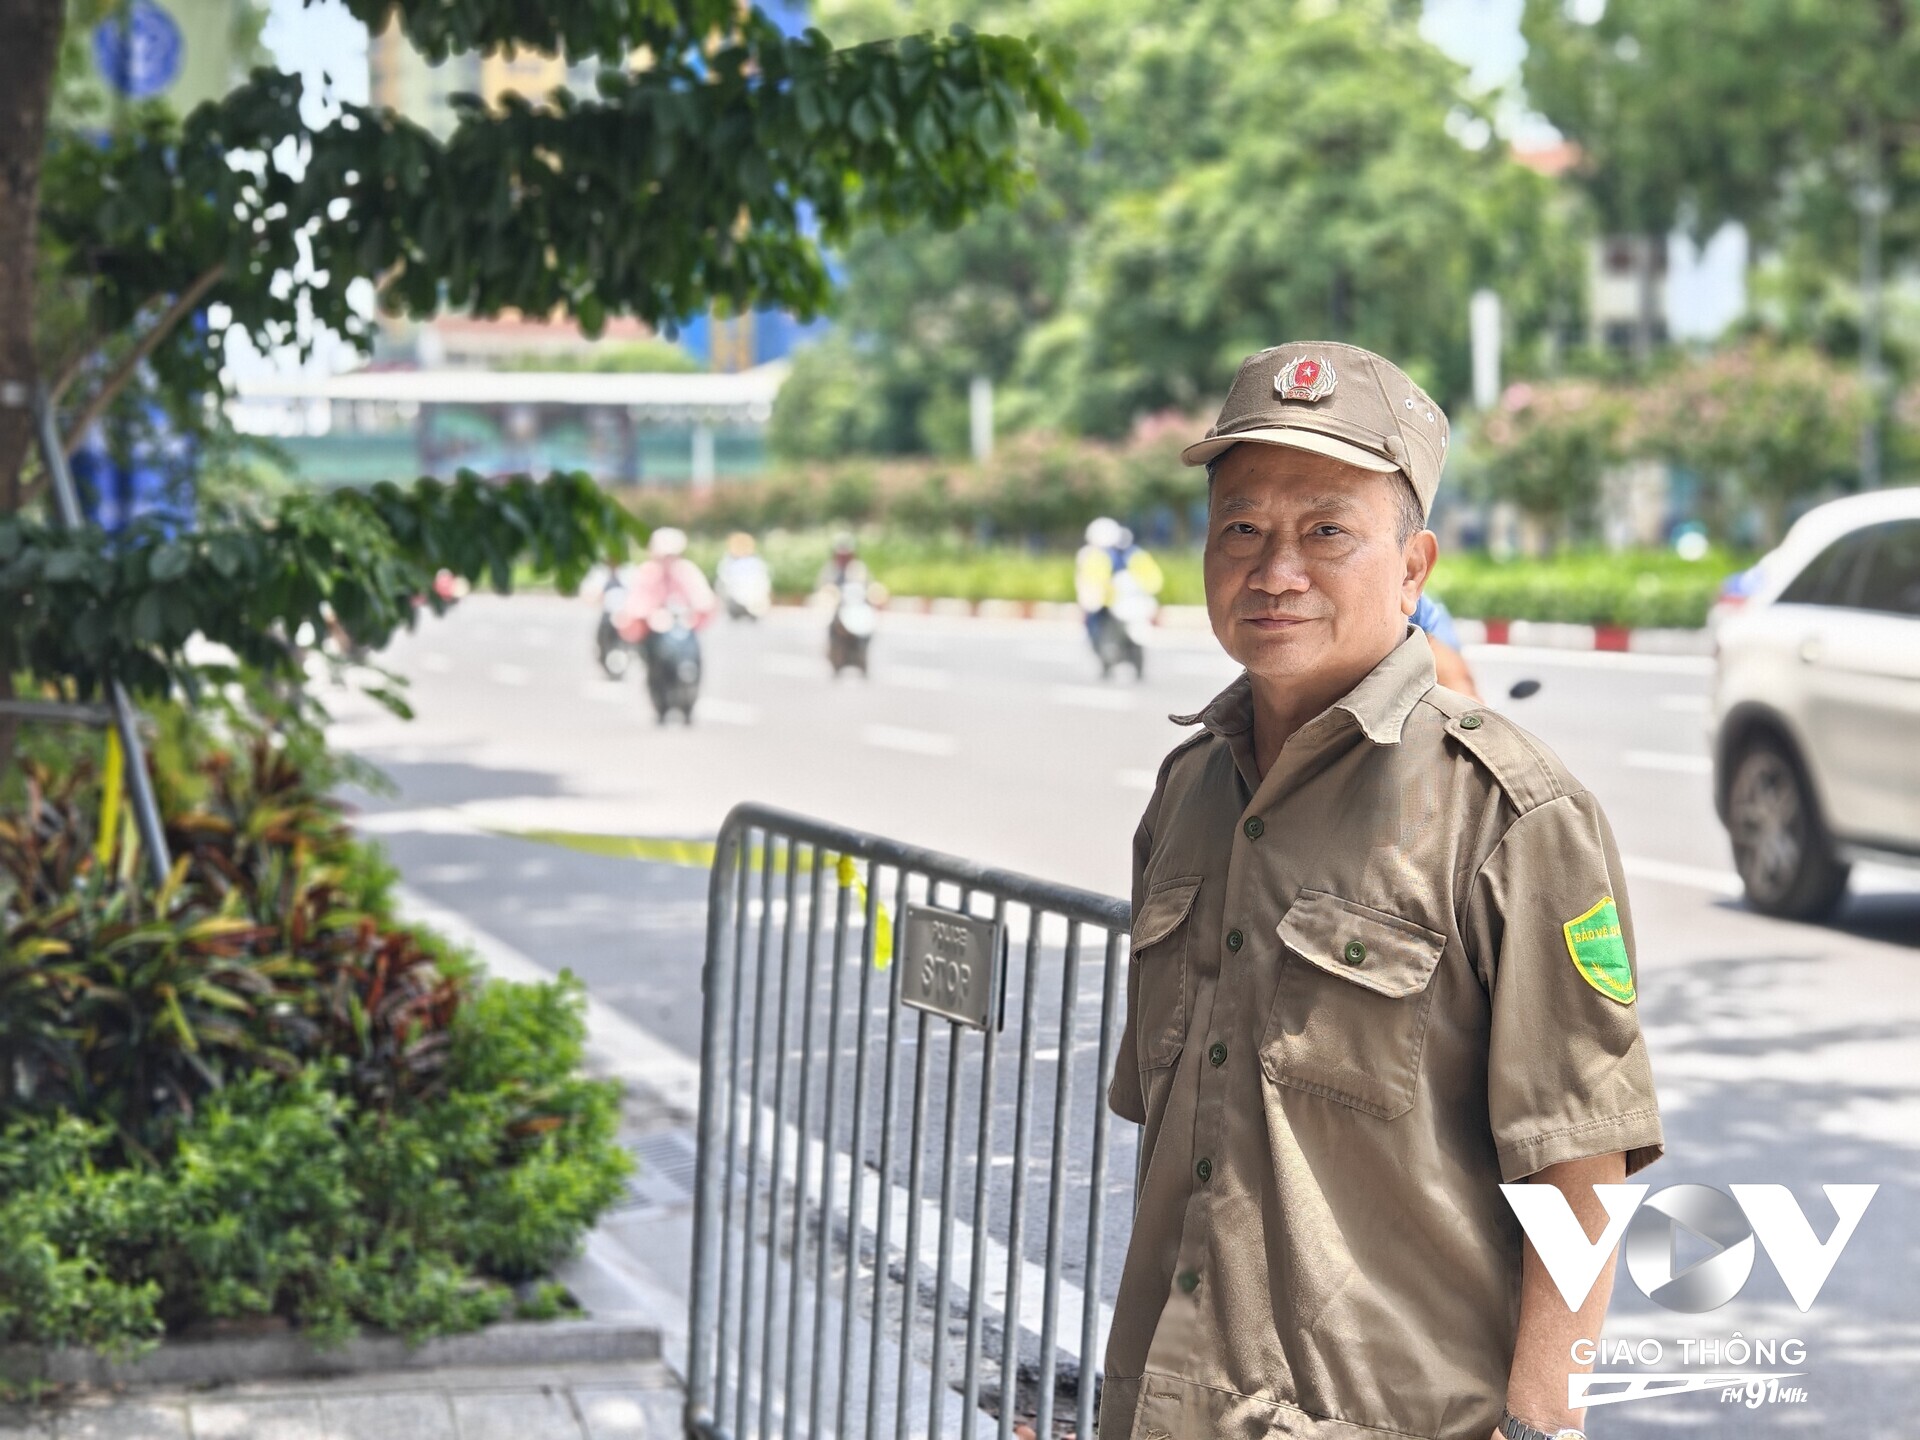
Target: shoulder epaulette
(1526, 771)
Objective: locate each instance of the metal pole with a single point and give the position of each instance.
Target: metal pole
(717, 985)
(146, 807)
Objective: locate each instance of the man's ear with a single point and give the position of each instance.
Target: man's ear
(1419, 557)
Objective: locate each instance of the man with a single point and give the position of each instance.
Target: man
(1382, 963)
(843, 567)
(666, 578)
(1116, 583)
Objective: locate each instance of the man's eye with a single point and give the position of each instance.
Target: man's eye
(1328, 530)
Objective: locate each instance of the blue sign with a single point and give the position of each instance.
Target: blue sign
(139, 52)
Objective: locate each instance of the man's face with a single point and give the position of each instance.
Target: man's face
(1306, 576)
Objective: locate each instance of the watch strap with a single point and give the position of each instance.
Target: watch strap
(1514, 1428)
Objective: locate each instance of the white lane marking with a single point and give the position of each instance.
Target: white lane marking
(1137, 779)
(727, 712)
(912, 742)
(517, 676)
(803, 666)
(434, 662)
(1593, 659)
(916, 677)
(1686, 704)
(1661, 760)
(1699, 877)
(1091, 697)
(452, 873)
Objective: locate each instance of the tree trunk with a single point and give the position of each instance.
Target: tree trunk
(27, 59)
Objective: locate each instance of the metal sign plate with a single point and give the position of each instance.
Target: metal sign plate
(953, 964)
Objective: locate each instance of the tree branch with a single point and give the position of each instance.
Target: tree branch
(187, 302)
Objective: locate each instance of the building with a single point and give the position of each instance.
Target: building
(1646, 291)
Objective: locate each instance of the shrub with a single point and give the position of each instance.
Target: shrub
(250, 1092)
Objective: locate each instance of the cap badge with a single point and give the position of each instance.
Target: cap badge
(1305, 379)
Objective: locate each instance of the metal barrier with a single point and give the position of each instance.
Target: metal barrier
(832, 1294)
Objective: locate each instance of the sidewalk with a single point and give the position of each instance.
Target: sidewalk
(575, 1402)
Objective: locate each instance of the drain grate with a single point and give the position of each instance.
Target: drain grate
(664, 1178)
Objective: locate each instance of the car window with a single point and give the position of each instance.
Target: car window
(1892, 579)
(1831, 576)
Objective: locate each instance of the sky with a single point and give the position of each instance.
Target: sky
(322, 37)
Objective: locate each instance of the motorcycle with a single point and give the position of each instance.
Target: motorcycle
(615, 652)
(1116, 630)
(851, 630)
(670, 651)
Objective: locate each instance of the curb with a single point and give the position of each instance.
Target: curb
(289, 1355)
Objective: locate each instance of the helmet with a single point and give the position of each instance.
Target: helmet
(1124, 540)
(843, 543)
(667, 542)
(1104, 532)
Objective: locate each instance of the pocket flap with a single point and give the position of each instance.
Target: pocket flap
(1369, 947)
(1163, 910)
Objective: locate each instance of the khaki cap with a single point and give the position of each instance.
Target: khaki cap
(1335, 400)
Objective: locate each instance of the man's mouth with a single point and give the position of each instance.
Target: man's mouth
(1275, 622)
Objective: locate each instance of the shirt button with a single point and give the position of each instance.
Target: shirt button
(1189, 1281)
(1235, 939)
(1355, 952)
(1204, 1170)
(1255, 827)
(1469, 722)
(1217, 1053)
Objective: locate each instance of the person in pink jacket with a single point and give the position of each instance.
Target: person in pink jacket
(664, 578)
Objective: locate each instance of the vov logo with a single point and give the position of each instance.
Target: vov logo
(1731, 1223)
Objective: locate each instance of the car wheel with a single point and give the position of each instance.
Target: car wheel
(1780, 845)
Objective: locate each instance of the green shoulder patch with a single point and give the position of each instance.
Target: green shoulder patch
(1599, 951)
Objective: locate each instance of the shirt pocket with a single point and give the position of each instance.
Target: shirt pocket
(1161, 933)
(1349, 1015)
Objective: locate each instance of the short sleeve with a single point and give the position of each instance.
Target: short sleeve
(1551, 932)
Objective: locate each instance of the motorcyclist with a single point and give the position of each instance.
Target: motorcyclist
(665, 578)
(743, 577)
(843, 566)
(1108, 563)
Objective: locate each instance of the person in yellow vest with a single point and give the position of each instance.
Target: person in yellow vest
(1117, 584)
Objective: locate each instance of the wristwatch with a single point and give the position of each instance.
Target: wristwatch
(1514, 1428)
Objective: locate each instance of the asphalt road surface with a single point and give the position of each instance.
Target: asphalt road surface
(1785, 1053)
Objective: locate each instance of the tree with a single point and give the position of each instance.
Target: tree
(1779, 422)
(1799, 121)
(1546, 447)
(683, 181)
(700, 174)
(1334, 145)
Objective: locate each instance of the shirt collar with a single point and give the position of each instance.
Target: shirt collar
(1380, 703)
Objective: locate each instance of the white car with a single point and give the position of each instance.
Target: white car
(1816, 704)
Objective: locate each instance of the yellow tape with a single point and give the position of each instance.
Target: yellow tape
(112, 783)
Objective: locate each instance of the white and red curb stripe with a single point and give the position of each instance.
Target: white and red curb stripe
(1538, 634)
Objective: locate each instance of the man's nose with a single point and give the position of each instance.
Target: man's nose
(1280, 570)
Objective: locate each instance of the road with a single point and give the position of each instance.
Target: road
(1784, 1053)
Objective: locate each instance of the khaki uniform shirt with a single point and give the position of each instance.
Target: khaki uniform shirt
(1363, 991)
